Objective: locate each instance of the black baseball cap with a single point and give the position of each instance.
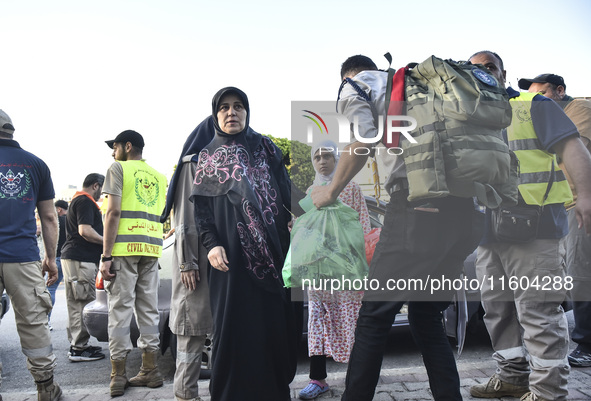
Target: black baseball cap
(128, 136)
(525, 83)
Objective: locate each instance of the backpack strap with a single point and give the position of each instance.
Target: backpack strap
(359, 91)
(552, 178)
(394, 102)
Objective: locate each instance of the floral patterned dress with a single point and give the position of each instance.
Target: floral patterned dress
(332, 317)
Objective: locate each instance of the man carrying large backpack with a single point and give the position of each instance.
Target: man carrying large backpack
(526, 317)
(428, 237)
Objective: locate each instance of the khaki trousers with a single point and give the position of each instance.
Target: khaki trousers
(79, 278)
(31, 303)
(133, 290)
(526, 323)
(189, 350)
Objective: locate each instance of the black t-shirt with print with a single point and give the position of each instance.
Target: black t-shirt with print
(82, 210)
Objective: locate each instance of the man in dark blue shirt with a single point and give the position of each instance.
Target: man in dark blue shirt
(524, 284)
(578, 244)
(25, 185)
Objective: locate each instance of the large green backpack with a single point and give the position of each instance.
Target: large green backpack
(460, 111)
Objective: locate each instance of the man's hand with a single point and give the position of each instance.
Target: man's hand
(50, 267)
(190, 279)
(583, 213)
(323, 196)
(106, 270)
(218, 259)
(112, 218)
(169, 233)
(291, 222)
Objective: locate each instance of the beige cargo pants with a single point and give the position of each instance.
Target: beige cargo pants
(79, 278)
(133, 290)
(188, 365)
(523, 288)
(31, 303)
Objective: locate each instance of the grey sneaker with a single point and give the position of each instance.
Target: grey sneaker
(85, 355)
(90, 348)
(495, 388)
(531, 397)
(579, 358)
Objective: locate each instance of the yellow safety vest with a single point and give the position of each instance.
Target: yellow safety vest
(142, 202)
(536, 165)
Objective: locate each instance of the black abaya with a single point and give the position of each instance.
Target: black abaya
(241, 196)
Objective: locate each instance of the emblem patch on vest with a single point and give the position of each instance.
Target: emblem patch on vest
(483, 77)
(14, 185)
(146, 188)
(523, 115)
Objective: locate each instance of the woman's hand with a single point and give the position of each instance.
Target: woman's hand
(218, 259)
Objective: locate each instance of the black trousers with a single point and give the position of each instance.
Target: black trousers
(423, 242)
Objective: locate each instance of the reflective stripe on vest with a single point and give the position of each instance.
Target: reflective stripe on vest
(534, 162)
(140, 230)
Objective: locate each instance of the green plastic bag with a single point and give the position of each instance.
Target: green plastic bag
(326, 244)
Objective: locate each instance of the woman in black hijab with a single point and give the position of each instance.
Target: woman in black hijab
(242, 197)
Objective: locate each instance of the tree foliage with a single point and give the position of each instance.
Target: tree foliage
(296, 156)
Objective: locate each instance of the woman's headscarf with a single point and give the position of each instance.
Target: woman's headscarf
(252, 138)
(220, 163)
(328, 146)
(215, 104)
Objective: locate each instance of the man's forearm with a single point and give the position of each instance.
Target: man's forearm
(577, 161)
(89, 234)
(49, 227)
(111, 225)
(112, 218)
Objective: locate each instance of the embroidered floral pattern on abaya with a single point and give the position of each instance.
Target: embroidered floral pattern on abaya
(231, 162)
(260, 179)
(253, 239)
(226, 162)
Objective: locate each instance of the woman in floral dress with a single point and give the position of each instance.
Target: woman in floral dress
(332, 316)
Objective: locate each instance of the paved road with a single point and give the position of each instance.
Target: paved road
(402, 362)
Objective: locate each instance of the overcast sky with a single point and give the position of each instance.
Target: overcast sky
(76, 73)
